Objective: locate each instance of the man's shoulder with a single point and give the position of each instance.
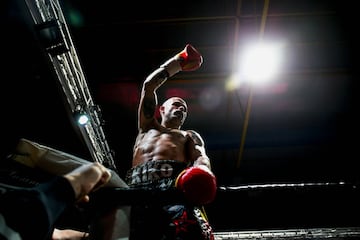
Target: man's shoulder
(192, 132)
(195, 136)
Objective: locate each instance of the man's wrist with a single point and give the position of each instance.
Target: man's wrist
(172, 66)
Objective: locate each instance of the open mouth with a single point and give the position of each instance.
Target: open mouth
(179, 114)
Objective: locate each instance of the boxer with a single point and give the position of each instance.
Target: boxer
(165, 156)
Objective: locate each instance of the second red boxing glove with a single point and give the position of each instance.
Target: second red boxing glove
(198, 185)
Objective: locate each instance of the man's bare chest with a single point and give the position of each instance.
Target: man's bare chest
(165, 135)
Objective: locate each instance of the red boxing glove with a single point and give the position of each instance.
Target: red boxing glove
(188, 59)
(198, 185)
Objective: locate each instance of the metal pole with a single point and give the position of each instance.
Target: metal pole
(249, 103)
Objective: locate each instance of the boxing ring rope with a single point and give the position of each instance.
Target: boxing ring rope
(347, 191)
(312, 233)
(126, 196)
(316, 193)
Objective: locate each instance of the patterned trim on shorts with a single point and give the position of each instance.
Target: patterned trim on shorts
(155, 174)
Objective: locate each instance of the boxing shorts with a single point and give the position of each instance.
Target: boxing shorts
(160, 174)
(157, 220)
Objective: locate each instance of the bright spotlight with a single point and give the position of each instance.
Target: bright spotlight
(260, 62)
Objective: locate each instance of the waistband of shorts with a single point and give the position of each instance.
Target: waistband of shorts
(155, 172)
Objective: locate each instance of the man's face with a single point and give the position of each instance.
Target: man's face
(175, 109)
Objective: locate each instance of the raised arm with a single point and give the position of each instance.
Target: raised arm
(189, 59)
(148, 99)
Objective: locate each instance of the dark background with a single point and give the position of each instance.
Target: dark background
(303, 127)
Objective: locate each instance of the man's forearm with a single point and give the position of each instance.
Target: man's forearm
(155, 79)
(203, 161)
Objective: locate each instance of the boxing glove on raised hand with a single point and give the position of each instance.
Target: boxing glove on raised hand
(188, 59)
(198, 184)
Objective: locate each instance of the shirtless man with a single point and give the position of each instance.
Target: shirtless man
(165, 141)
(166, 156)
